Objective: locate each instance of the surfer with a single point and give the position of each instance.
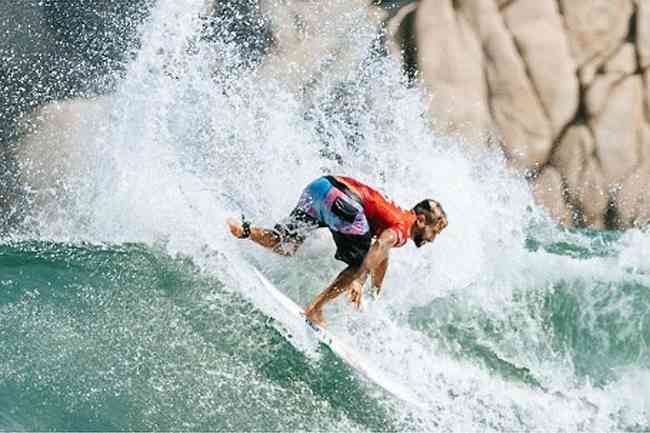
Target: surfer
(356, 214)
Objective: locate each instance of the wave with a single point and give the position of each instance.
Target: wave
(92, 333)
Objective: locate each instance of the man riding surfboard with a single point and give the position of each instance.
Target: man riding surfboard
(356, 214)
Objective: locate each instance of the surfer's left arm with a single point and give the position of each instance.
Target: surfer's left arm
(377, 277)
(376, 258)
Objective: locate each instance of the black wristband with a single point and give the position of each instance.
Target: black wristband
(246, 229)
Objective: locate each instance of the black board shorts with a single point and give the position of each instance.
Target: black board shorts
(351, 249)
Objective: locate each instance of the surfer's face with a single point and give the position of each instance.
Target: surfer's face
(424, 236)
(426, 233)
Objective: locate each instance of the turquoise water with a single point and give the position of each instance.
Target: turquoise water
(120, 338)
(127, 337)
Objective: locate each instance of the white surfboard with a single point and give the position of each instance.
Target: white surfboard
(294, 319)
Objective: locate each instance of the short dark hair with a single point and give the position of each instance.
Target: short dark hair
(431, 209)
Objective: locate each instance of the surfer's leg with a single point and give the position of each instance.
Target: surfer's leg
(340, 284)
(303, 219)
(265, 238)
(290, 233)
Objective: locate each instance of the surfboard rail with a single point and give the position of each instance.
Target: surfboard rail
(337, 345)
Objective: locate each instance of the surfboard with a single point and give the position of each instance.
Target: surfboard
(293, 318)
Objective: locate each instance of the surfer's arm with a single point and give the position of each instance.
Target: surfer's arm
(377, 255)
(270, 239)
(378, 274)
(375, 260)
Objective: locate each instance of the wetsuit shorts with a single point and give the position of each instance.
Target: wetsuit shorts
(326, 202)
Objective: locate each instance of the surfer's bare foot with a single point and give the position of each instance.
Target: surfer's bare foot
(316, 316)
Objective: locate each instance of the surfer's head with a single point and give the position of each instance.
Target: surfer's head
(430, 220)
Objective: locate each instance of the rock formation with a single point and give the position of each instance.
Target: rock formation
(564, 84)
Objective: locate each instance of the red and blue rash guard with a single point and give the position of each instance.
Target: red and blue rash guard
(381, 212)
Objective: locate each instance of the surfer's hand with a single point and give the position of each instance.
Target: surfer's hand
(235, 227)
(355, 293)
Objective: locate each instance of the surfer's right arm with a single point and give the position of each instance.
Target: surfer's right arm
(377, 277)
(376, 258)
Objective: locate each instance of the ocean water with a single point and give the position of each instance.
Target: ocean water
(126, 305)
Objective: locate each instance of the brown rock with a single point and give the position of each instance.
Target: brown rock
(616, 130)
(570, 157)
(450, 60)
(539, 35)
(598, 93)
(595, 27)
(502, 4)
(643, 32)
(644, 143)
(547, 191)
(587, 72)
(593, 198)
(516, 108)
(633, 200)
(583, 177)
(646, 80)
(394, 31)
(623, 62)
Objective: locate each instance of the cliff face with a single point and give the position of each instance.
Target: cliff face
(563, 84)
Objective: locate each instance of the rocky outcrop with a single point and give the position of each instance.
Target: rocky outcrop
(516, 110)
(643, 32)
(537, 29)
(595, 29)
(566, 86)
(449, 58)
(634, 195)
(548, 190)
(616, 130)
(646, 80)
(398, 33)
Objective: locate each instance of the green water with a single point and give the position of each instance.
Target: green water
(121, 338)
(126, 337)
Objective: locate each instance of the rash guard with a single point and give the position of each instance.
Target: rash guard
(382, 212)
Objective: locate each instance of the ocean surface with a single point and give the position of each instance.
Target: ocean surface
(126, 305)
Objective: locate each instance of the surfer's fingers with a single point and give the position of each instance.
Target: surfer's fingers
(357, 299)
(354, 296)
